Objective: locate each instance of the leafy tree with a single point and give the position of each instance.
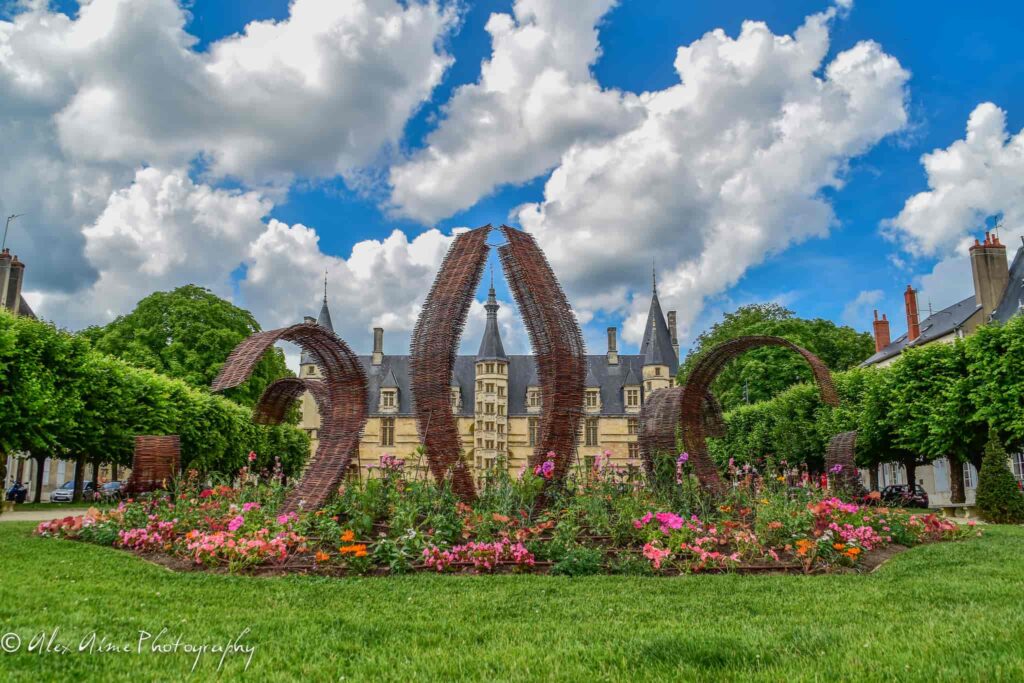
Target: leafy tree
(763, 373)
(61, 398)
(995, 356)
(187, 334)
(999, 498)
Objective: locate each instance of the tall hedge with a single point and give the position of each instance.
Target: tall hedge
(60, 397)
(939, 400)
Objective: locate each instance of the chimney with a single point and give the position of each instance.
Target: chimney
(913, 323)
(5, 271)
(991, 273)
(378, 345)
(881, 332)
(309, 320)
(672, 331)
(613, 347)
(14, 280)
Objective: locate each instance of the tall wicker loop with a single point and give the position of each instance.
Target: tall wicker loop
(692, 403)
(435, 343)
(341, 398)
(557, 344)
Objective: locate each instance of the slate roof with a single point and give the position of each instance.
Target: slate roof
(323, 320)
(522, 371)
(1013, 298)
(491, 347)
(949, 319)
(935, 326)
(656, 347)
(522, 374)
(24, 309)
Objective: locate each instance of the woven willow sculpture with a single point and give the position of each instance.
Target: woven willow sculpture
(554, 335)
(557, 348)
(155, 463)
(340, 396)
(693, 410)
(435, 343)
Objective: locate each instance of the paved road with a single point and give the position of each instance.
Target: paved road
(40, 515)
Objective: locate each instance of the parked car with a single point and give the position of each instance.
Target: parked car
(902, 496)
(66, 492)
(17, 493)
(112, 491)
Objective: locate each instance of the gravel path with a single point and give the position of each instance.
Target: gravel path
(40, 515)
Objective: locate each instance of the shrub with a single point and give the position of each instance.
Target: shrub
(580, 561)
(999, 498)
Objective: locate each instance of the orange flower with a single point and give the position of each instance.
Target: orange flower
(803, 546)
(725, 508)
(357, 549)
(348, 536)
(838, 546)
(853, 552)
(321, 556)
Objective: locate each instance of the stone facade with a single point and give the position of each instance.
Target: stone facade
(496, 398)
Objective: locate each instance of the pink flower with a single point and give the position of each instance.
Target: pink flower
(236, 523)
(246, 507)
(642, 522)
(655, 555)
(683, 457)
(252, 456)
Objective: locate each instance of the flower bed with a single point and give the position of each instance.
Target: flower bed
(609, 520)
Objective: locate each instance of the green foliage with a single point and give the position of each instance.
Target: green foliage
(580, 561)
(938, 400)
(58, 396)
(187, 334)
(763, 373)
(999, 499)
(995, 356)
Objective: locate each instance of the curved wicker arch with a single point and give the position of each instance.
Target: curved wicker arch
(344, 395)
(277, 398)
(435, 343)
(661, 418)
(695, 430)
(557, 344)
(841, 452)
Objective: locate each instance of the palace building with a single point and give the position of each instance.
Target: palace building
(496, 396)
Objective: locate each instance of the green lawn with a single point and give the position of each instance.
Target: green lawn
(948, 612)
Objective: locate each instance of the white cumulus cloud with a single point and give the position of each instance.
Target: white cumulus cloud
(91, 98)
(978, 177)
(535, 98)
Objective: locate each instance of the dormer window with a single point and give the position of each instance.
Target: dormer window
(456, 394)
(592, 399)
(633, 397)
(388, 400)
(533, 399)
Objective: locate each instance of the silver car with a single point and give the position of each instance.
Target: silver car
(66, 493)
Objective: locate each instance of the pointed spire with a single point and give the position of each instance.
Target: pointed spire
(654, 278)
(491, 347)
(324, 319)
(656, 347)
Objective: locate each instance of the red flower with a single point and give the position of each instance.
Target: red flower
(206, 493)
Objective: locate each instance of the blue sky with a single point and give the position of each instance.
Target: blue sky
(959, 55)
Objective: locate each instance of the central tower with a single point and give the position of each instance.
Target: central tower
(491, 413)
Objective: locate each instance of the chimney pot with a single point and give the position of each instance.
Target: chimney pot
(991, 274)
(378, 346)
(613, 346)
(881, 329)
(913, 320)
